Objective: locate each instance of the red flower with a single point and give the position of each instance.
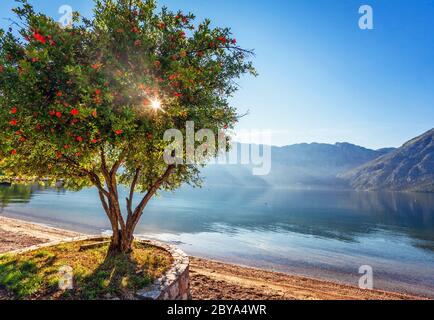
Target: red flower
(74, 112)
(222, 40)
(13, 122)
(13, 152)
(97, 91)
(94, 114)
(178, 95)
(184, 19)
(118, 132)
(18, 133)
(14, 110)
(59, 93)
(94, 140)
(66, 146)
(22, 139)
(52, 112)
(79, 139)
(96, 66)
(225, 126)
(58, 114)
(39, 37)
(78, 154)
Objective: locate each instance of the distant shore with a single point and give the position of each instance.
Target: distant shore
(212, 279)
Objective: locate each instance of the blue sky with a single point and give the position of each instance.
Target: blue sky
(322, 78)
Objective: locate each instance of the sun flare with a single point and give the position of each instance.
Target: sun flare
(156, 104)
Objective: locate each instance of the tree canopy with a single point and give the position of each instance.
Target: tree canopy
(90, 103)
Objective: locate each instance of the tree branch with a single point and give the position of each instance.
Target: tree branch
(133, 186)
(154, 188)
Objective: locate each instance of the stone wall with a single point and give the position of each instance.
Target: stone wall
(175, 284)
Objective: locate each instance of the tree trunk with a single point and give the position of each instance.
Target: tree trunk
(121, 243)
(123, 231)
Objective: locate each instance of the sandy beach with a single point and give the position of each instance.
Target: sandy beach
(213, 279)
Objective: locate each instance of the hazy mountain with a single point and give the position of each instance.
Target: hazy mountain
(408, 168)
(304, 165)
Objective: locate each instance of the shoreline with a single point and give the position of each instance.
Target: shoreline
(212, 279)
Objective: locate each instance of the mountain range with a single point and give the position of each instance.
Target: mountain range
(338, 166)
(408, 168)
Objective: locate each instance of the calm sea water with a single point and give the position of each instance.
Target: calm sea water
(324, 234)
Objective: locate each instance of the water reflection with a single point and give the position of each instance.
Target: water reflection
(339, 215)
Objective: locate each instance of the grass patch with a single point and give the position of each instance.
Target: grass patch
(36, 274)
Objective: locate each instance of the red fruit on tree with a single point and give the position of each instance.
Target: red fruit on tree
(222, 40)
(74, 112)
(96, 66)
(13, 110)
(39, 37)
(13, 152)
(79, 139)
(58, 114)
(13, 122)
(118, 132)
